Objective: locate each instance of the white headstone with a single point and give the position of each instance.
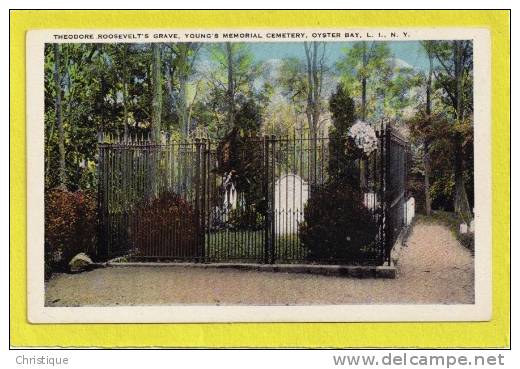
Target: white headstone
(410, 210)
(230, 197)
(370, 200)
(291, 193)
(230, 192)
(463, 228)
(472, 226)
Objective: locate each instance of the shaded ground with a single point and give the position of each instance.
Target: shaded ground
(433, 269)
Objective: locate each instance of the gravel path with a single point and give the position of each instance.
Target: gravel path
(433, 269)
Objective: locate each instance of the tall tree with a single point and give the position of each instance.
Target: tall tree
(59, 121)
(315, 62)
(123, 60)
(428, 47)
(231, 77)
(315, 69)
(428, 201)
(364, 68)
(424, 125)
(180, 68)
(455, 76)
(292, 80)
(302, 83)
(157, 92)
(230, 93)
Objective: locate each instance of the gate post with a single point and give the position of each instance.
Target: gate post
(268, 189)
(197, 195)
(381, 193)
(265, 188)
(102, 246)
(272, 212)
(202, 221)
(387, 207)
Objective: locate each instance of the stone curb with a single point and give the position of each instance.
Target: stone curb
(355, 271)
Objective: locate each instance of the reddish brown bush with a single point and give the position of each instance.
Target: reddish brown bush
(166, 226)
(70, 226)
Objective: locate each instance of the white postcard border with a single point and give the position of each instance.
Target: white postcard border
(481, 310)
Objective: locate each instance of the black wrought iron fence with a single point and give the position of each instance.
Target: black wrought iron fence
(242, 199)
(394, 209)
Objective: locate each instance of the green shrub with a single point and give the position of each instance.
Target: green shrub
(337, 226)
(70, 227)
(168, 215)
(248, 218)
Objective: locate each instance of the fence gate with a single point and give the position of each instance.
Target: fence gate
(255, 194)
(234, 200)
(134, 213)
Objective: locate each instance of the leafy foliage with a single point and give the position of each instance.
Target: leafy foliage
(249, 116)
(241, 157)
(70, 227)
(365, 70)
(93, 77)
(438, 132)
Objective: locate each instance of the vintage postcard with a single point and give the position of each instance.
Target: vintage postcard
(259, 175)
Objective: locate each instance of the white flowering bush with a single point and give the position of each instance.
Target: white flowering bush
(364, 137)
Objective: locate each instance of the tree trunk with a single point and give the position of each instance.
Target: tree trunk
(461, 203)
(125, 91)
(364, 84)
(183, 113)
(426, 157)
(313, 105)
(427, 197)
(125, 110)
(231, 87)
(362, 162)
(157, 93)
(59, 122)
(183, 80)
(363, 98)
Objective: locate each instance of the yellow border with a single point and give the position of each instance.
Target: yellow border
(495, 333)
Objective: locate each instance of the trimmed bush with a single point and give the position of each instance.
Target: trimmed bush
(169, 214)
(70, 227)
(337, 226)
(342, 150)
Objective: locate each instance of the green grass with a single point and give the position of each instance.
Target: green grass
(452, 221)
(249, 245)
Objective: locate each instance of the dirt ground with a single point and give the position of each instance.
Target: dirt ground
(433, 269)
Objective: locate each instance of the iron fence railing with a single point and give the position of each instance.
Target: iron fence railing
(241, 200)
